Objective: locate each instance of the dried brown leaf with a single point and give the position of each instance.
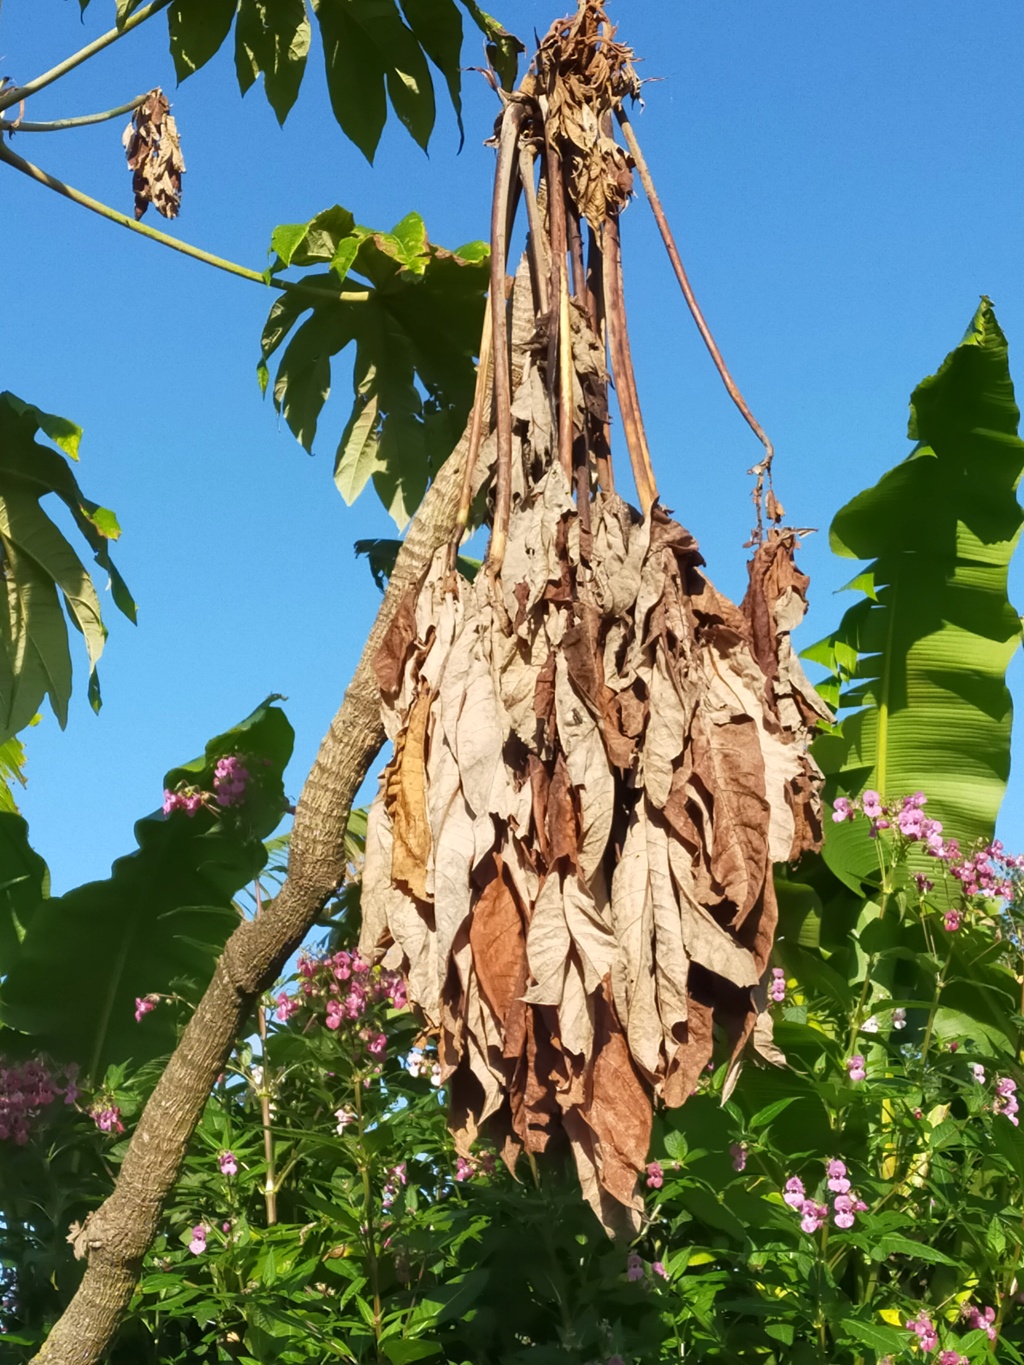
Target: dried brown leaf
(153, 151)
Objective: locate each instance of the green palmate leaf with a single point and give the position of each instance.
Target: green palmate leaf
(934, 638)
(272, 38)
(12, 769)
(416, 323)
(503, 48)
(369, 50)
(42, 569)
(437, 27)
(157, 924)
(197, 30)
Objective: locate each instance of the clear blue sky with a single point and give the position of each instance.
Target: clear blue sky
(844, 181)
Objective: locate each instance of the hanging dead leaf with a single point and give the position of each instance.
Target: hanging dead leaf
(153, 151)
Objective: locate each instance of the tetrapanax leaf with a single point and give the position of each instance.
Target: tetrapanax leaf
(197, 30)
(437, 27)
(153, 151)
(358, 456)
(40, 563)
(408, 77)
(167, 906)
(503, 48)
(304, 374)
(355, 75)
(272, 39)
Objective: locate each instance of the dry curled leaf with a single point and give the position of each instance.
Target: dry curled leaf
(153, 151)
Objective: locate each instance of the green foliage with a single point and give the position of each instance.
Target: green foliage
(415, 321)
(377, 53)
(923, 654)
(42, 569)
(75, 964)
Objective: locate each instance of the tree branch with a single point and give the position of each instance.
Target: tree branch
(16, 93)
(120, 1232)
(115, 216)
(82, 121)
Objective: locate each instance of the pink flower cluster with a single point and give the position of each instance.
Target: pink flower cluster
(228, 1163)
(980, 1319)
(777, 989)
(198, 1243)
(655, 1176)
(924, 1329)
(486, 1164)
(107, 1118)
(845, 1202)
(907, 815)
(229, 781)
(27, 1089)
(1006, 1099)
(188, 799)
(417, 1063)
(144, 1005)
(951, 1358)
(348, 989)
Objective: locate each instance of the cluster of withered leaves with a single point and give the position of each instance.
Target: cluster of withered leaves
(582, 74)
(153, 150)
(597, 759)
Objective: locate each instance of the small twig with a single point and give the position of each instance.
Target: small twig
(122, 219)
(505, 174)
(688, 294)
(16, 93)
(82, 121)
(595, 310)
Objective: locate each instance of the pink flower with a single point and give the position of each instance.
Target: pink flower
(837, 1181)
(344, 1117)
(899, 1018)
(108, 1120)
(777, 989)
(657, 1268)
(655, 1176)
(334, 1015)
(398, 1172)
(952, 920)
(924, 1330)
(794, 1192)
(286, 1007)
(738, 1152)
(856, 1067)
(634, 1267)
(951, 1358)
(198, 1243)
(464, 1170)
(229, 779)
(842, 809)
(376, 1044)
(814, 1215)
(144, 1004)
(978, 1072)
(1006, 1099)
(844, 1207)
(228, 1163)
(980, 1319)
(871, 804)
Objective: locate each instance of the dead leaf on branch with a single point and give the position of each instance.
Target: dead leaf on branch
(153, 150)
(597, 755)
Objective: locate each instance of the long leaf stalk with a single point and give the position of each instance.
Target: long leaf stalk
(16, 93)
(61, 125)
(164, 239)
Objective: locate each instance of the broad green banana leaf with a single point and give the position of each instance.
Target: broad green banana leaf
(923, 655)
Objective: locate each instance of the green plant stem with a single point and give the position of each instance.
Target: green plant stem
(270, 1182)
(940, 981)
(371, 1236)
(82, 121)
(18, 93)
(105, 211)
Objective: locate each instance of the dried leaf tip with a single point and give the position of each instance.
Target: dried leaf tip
(153, 150)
